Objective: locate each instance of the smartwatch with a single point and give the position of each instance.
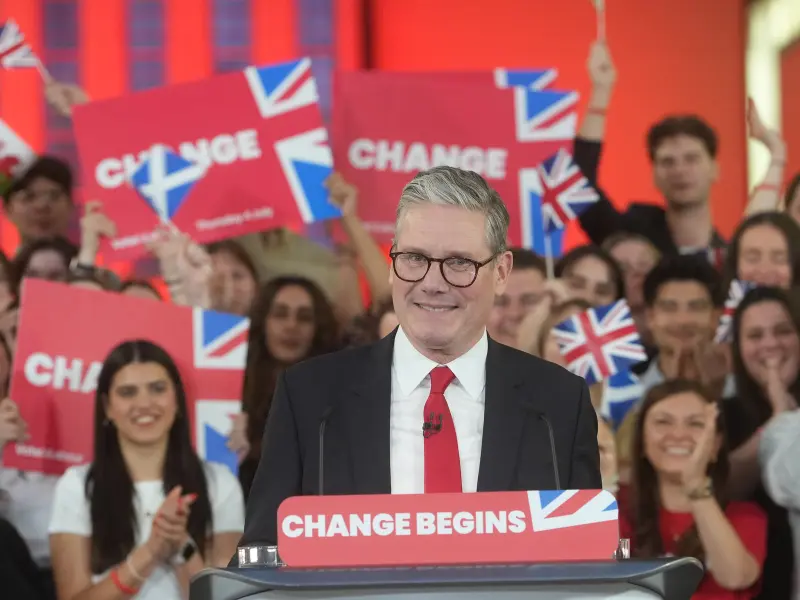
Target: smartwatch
(186, 553)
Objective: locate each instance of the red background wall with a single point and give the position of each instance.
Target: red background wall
(671, 56)
(790, 100)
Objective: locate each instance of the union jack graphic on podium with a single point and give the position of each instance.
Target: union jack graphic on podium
(564, 193)
(600, 342)
(736, 292)
(532, 79)
(567, 509)
(165, 179)
(220, 340)
(544, 116)
(15, 53)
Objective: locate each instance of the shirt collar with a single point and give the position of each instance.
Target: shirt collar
(412, 367)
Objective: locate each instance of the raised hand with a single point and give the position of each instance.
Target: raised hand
(8, 328)
(12, 426)
(343, 195)
(758, 130)
(601, 68)
(695, 471)
(237, 439)
(94, 225)
(64, 96)
(779, 397)
(184, 262)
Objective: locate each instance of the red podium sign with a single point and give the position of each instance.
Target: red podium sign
(447, 529)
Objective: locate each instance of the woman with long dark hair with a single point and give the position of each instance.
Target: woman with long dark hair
(766, 366)
(678, 503)
(291, 321)
(147, 513)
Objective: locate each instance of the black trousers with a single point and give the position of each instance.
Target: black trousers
(20, 578)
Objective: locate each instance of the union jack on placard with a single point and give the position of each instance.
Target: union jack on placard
(534, 234)
(736, 292)
(563, 191)
(571, 508)
(15, 53)
(600, 342)
(536, 79)
(219, 339)
(542, 116)
(284, 87)
(307, 162)
(165, 179)
(213, 421)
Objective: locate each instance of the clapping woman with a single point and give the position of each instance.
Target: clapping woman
(677, 495)
(147, 513)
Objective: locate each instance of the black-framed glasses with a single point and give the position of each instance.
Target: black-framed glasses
(458, 272)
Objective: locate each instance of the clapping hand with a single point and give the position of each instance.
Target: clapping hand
(696, 470)
(169, 533)
(779, 397)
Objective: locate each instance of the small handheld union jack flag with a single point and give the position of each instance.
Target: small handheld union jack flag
(563, 191)
(600, 342)
(15, 53)
(736, 292)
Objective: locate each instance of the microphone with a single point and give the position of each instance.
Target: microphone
(431, 426)
(553, 456)
(323, 423)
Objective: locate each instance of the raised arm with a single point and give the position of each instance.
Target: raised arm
(766, 196)
(602, 219)
(372, 259)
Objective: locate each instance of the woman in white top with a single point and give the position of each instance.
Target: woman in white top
(147, 514)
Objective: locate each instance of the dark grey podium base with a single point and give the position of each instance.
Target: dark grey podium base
(673, 578)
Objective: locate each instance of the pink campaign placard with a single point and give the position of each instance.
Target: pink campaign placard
(58, 360)
(218, 158)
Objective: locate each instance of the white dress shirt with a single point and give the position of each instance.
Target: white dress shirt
(411, 385)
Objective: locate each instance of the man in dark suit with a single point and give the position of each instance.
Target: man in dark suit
(436, 406)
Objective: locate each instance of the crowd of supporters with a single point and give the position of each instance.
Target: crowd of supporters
(701, 457)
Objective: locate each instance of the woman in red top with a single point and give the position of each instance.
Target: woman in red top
(677, 505)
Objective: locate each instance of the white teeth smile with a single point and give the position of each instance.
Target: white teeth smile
(434, 308)
(144, 420)
(678, 451)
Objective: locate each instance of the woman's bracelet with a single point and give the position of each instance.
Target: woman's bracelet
(121, 586)
(133, 570)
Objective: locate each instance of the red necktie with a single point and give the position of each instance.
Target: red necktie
(442, 463)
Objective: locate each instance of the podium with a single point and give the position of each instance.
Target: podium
(521, 545)
(673, 578)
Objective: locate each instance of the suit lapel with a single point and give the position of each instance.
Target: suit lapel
(503, 422)
(367, 416)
